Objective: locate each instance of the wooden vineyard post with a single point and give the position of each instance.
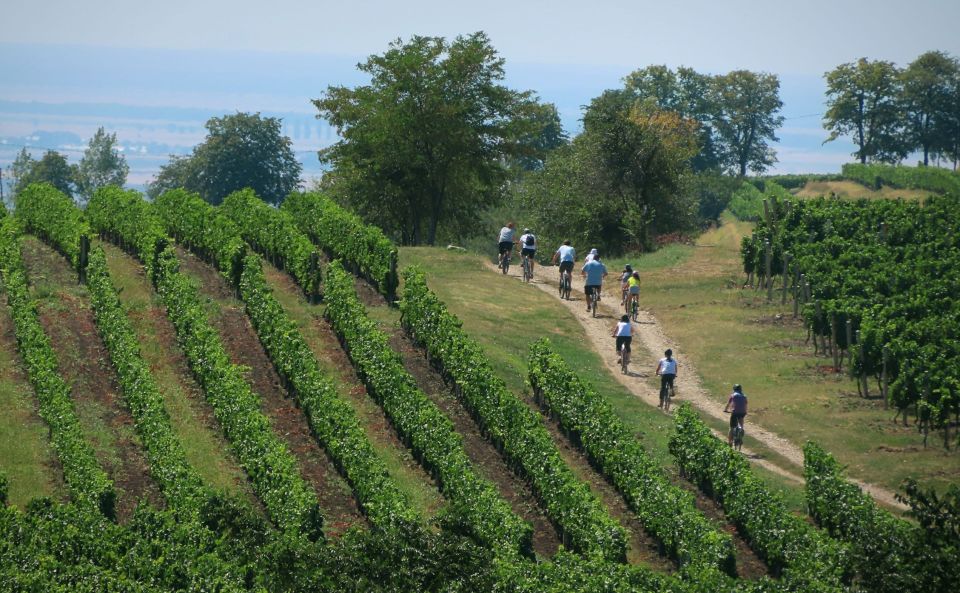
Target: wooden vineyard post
(849, 336)
(884, 386)
(766, 212)
(768, 257)
(314, 296)
(786, 266)
(797, 276)
(837, 361)
(863, 367)
(84, 257)
(923, 410)
(818, 314)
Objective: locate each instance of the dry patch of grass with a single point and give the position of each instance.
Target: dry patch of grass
(854, 191)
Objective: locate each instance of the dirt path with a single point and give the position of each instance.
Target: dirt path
(649, 334)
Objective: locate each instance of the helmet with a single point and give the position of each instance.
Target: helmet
(628, 268)
(525, 231)
(738, 388)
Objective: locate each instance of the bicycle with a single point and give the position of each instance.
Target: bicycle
(624, 360)
(593, 296)
(634, 310)
(565, 285)
(666, 394)
(505, 262)
(737, 435)
(527, 269)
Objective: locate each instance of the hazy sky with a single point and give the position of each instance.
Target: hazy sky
(808, 36)
(69, 66)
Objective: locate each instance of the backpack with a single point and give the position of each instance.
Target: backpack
(530, 240)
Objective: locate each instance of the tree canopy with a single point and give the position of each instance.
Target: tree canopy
(863, 101)
(429, 140)
(747, 121)
(626, 174)
(240, 151)
(101, 165)
(52, 168)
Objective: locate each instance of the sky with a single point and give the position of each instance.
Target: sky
(155, 71)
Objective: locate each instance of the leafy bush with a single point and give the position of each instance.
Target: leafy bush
(361, 247)
(89, 485)
(513, 427)
(420, 422)
(666, 511)
(807, 559)
(876, 176)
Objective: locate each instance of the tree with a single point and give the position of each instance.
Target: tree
(52, 168)
(536, 141)
(926, 98)
(240, 151)
(689, 94)
(101, 165)
(18, 169)
(624, 176)
(862, 101)
(426, 143)
(747, 103)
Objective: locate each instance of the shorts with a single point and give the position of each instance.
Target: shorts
(623, 342)
(590, 288)
(736, 419)
(526, 251)
(634, 290)
(566, 266)
(505, 247)
(666, 381)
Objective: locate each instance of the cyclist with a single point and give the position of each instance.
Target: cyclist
(566, 256)
(667, 369)
(528, 247)
(506, 241)
(591, 255)
(622, 332)
(633, 291)
(624, 276)
(739, 402)
(593, 272)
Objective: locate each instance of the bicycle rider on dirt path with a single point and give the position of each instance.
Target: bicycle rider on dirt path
(739, 402)
(506, 241)
(566, 255)
(593, 272)
(667, 369)
(528, 247)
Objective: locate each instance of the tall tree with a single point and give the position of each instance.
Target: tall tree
(426, 142)
(862, 102)
(926, 99)
(953, 122)
(748, 104)
(101, 165)
(240, 151)
(17, 170)
(52, 168)
(623, 176)
(686, 92)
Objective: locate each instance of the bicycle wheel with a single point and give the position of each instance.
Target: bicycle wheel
(635, 310)
(624, 361)
(593, 302)
(505, 263)
(738, 438)
(527, 274)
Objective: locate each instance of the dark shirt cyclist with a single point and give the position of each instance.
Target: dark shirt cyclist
(738, 403)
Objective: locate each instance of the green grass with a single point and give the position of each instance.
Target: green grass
(733, 336)
(505, 316)
(399, 462)
(206, 451)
